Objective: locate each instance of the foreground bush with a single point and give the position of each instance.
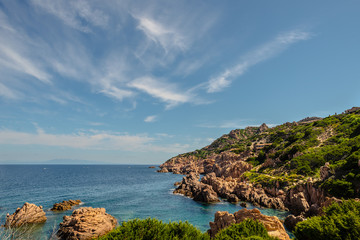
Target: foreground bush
(155, 229)
(339, 222)
(246, 230)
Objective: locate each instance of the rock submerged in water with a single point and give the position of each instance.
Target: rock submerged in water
(65, 205)
(272, 224)
(86, 223)
(28, 214)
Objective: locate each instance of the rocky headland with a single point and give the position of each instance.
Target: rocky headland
(300, 166)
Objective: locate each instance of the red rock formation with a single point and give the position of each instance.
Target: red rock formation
(225, 219)
(28, 213)
(191, 187)
(86, 223)
(65, 205)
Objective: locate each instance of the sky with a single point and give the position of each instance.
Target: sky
(138, 82)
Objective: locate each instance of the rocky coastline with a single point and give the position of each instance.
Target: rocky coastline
(222, 178)
(258, 165)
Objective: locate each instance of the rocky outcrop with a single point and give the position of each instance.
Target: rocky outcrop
(291, 221)
(257, 196)
(28, 213)
(325, 171)
(65, 205)
(221, 186)
(304, 197)
(191, 187)
(222, 220)
(227, 164)
(86, 223)
(225, 219)
(262, 128)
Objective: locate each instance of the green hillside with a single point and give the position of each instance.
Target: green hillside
(293, 152)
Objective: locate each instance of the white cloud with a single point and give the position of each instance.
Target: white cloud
(165, 36)
(117, 93)
(81, 140)
(77, 14)
(16, 61)
(166, 92)
(151, 118)
(264, 52)
(94, 140)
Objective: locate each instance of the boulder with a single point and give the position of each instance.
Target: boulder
(243, 204)
(222, 220)
(232, 198)
(163, 170)
(299, 203)
(28, 213)
(225, 219)
(65, 205)
(272, 224)
(291, 221)
(86, 223)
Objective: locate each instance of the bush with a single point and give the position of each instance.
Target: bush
(155, 229)
(247, 229)
(339, 222)
(339, 188)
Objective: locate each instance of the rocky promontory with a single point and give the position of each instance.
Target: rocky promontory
(296, 166)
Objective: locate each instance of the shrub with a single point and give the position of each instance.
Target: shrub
(339, 222)
(155, 229)
(339, 188)
(247, 229)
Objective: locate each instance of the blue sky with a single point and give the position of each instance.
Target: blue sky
(141, 81)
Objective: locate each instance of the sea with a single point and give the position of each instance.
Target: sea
(125, 191)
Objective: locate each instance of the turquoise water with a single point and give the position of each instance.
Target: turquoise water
(125, 191)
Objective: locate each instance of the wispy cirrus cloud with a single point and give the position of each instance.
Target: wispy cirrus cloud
(262, 53)
(165, 36)
(76, 14)
(166, 92)
(95, 140)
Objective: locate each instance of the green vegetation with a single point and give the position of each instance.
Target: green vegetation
(246, 230)
(297, 151)
(340, 222)
(268, 181)
(155, 229)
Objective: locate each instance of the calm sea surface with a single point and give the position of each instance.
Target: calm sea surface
(125, 191)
